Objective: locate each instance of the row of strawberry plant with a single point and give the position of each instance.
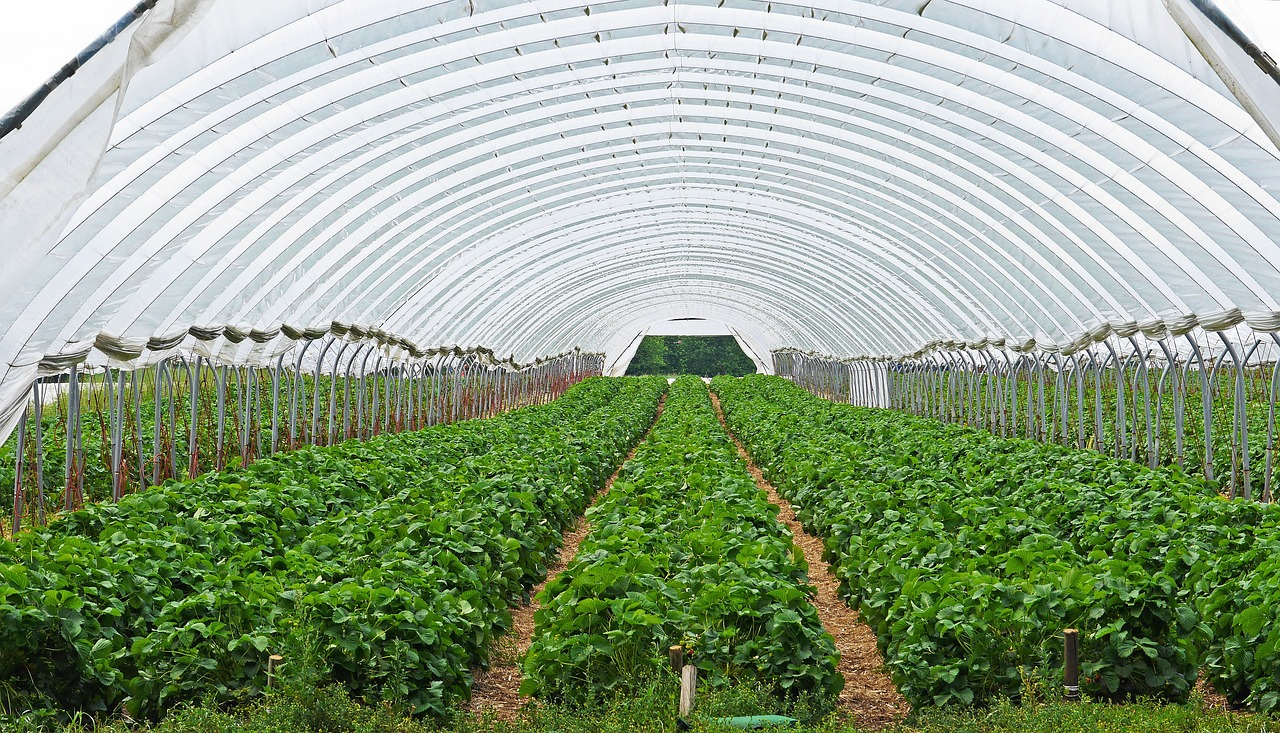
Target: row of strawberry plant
(390, 563)
(1218, 554)
(968, 553)
(685, 549)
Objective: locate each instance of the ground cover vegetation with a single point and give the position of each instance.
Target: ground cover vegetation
(301, 707)
(389, 565)
(227, 392)
(1150, 407)
(685, 549)
(969, 553)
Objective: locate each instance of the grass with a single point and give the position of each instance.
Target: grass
(305, 708)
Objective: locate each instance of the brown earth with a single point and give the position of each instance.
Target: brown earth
(869, 697)
(496, 690)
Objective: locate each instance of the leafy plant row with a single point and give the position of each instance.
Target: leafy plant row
(685, 549)
(968, 553)
(390, 563)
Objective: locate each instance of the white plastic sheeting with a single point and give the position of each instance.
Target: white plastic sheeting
(757, 353)
(854, 178)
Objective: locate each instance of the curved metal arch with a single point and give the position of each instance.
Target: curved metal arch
(553, 266)
(536, 256)
(539, 202)
(1243, 220)
(635, 313)
(1050, 269)
(647, 288)
(1079, 297)
(605, 224)
(881, 242)
(640, 314)
(624, 267)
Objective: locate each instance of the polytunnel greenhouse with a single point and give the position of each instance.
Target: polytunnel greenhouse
(314, 316)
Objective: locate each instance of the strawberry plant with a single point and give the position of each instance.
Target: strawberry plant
(968, 553)
(392, 562)
(685, 549)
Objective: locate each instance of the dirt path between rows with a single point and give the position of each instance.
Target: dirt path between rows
(869, 696)
(496, 689)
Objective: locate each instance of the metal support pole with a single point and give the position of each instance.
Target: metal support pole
(298, 387)
(1143, 375)
(1240, 430)
(315, 392)
(17, 474)
(1206, 398)
(220, 381)
(72, 468)
(193, 449)
(135, 383)
(172, 384)
(39, 461)
(157, 427)
(1267, 496)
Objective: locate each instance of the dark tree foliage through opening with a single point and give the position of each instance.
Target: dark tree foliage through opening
(706, 356)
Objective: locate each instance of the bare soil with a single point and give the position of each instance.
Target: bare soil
(496, 689)
(869, 698)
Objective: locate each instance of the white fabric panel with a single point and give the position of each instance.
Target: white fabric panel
(854, 177)
(1257, 92)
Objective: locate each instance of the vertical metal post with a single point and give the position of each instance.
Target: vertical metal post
(298, 387)
(220, 381)
(193, 449)
(1267, 496)
(1143, 375)
(1206, 398)
(315, 392)
(399, 396)
(117, 447)
(455, 390)
(275, 403)
(72, 468)
(331, 432)
(1240, 430)
(374, 423)
(157, 427)
(346, 393)
(1077, 369)
(1120, 365)
(17, 474)
(135, 382)
(39, 446)
(1044, 426)
(1010, 408)
(362, 391)
(245, 387)
(1059, 418)
(172, 385)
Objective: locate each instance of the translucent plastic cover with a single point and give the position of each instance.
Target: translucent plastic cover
(855, 178)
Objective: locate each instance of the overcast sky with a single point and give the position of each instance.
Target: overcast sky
(39, 36)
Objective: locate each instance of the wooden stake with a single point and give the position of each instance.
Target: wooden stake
(676, 654)
(1071, 663)
(272, 661)
(688, 686)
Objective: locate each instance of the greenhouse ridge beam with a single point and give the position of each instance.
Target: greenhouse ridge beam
(843, 176)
